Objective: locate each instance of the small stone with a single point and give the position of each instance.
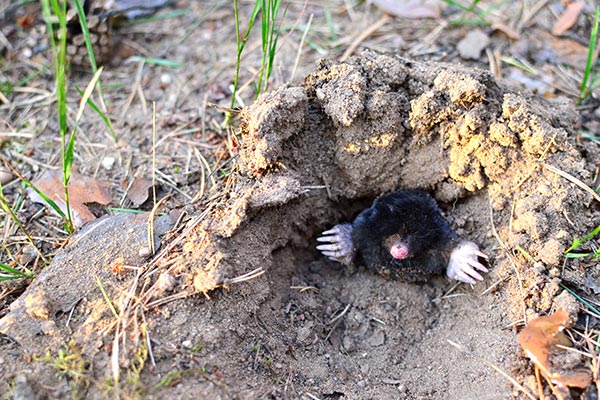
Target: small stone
(305, 333)
(23, 389)
(187, 344)
(166, 79)
(180, 319)
(348, 343)
(144, 252)
(376, 339)
(165, 283)
(5, 176)
(108, 162)
(472, 44)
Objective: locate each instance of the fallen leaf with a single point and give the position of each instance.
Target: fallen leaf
(568, 18)
(5, 176)
(26, 21)
(508, 31)
(138, 192)
(82, 190)
(540, 340)
(415, 9)
(566, 51)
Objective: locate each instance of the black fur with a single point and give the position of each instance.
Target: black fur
(415, 216)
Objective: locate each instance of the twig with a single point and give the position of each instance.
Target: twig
(365, 34)
(337, 320)
(572, 179)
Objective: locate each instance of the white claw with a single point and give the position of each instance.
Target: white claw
(340, 247)
(329, 239)
(463, 263)
(334, 247)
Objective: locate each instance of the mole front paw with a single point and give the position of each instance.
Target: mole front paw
(464, 262)
(340, 244)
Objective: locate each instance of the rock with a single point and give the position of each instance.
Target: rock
(472, 44)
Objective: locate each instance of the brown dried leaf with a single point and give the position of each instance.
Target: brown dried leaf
(82, 190)
(507, 30)
(568, 18)
(138, 192)
(540, 340)
(567, 51)
(415, 9)
(26, 21)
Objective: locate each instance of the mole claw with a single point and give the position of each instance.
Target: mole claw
(463, 263)
(337, 243)
(334, 247)
(480, 254)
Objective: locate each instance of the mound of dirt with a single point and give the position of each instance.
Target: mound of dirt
(316, 154)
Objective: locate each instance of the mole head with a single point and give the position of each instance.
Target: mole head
(397, 246)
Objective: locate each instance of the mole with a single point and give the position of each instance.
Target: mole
(403, 235)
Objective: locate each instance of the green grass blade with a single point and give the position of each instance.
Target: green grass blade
(48, 200)
(6, 207)
(158, 61)
(88, 45)
(8, 273)
(579, 242)
(86, 33)
(102, 115)
(58, 9)
(106, 298)
(241, 44)
(330, 25)
(583, 89)
(581, 300)
(591, 137)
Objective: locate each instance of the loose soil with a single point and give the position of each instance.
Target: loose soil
(502, 164)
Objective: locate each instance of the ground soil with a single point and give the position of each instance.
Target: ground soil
(308, 155)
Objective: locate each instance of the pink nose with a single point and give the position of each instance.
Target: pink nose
(398, 251)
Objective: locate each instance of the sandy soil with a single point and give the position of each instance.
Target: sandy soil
(311, 154)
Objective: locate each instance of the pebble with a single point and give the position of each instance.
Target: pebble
(376, 339)
(471, 46)
(166, 282)
(166, 79)
(23, 389)
(108, 162)
(5, 177)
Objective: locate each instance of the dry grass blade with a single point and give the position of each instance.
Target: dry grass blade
(151, 223)
(337, 319)
(300, 46)
(303, 289)
(365, 34)
(572, 179)
(245, 277)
